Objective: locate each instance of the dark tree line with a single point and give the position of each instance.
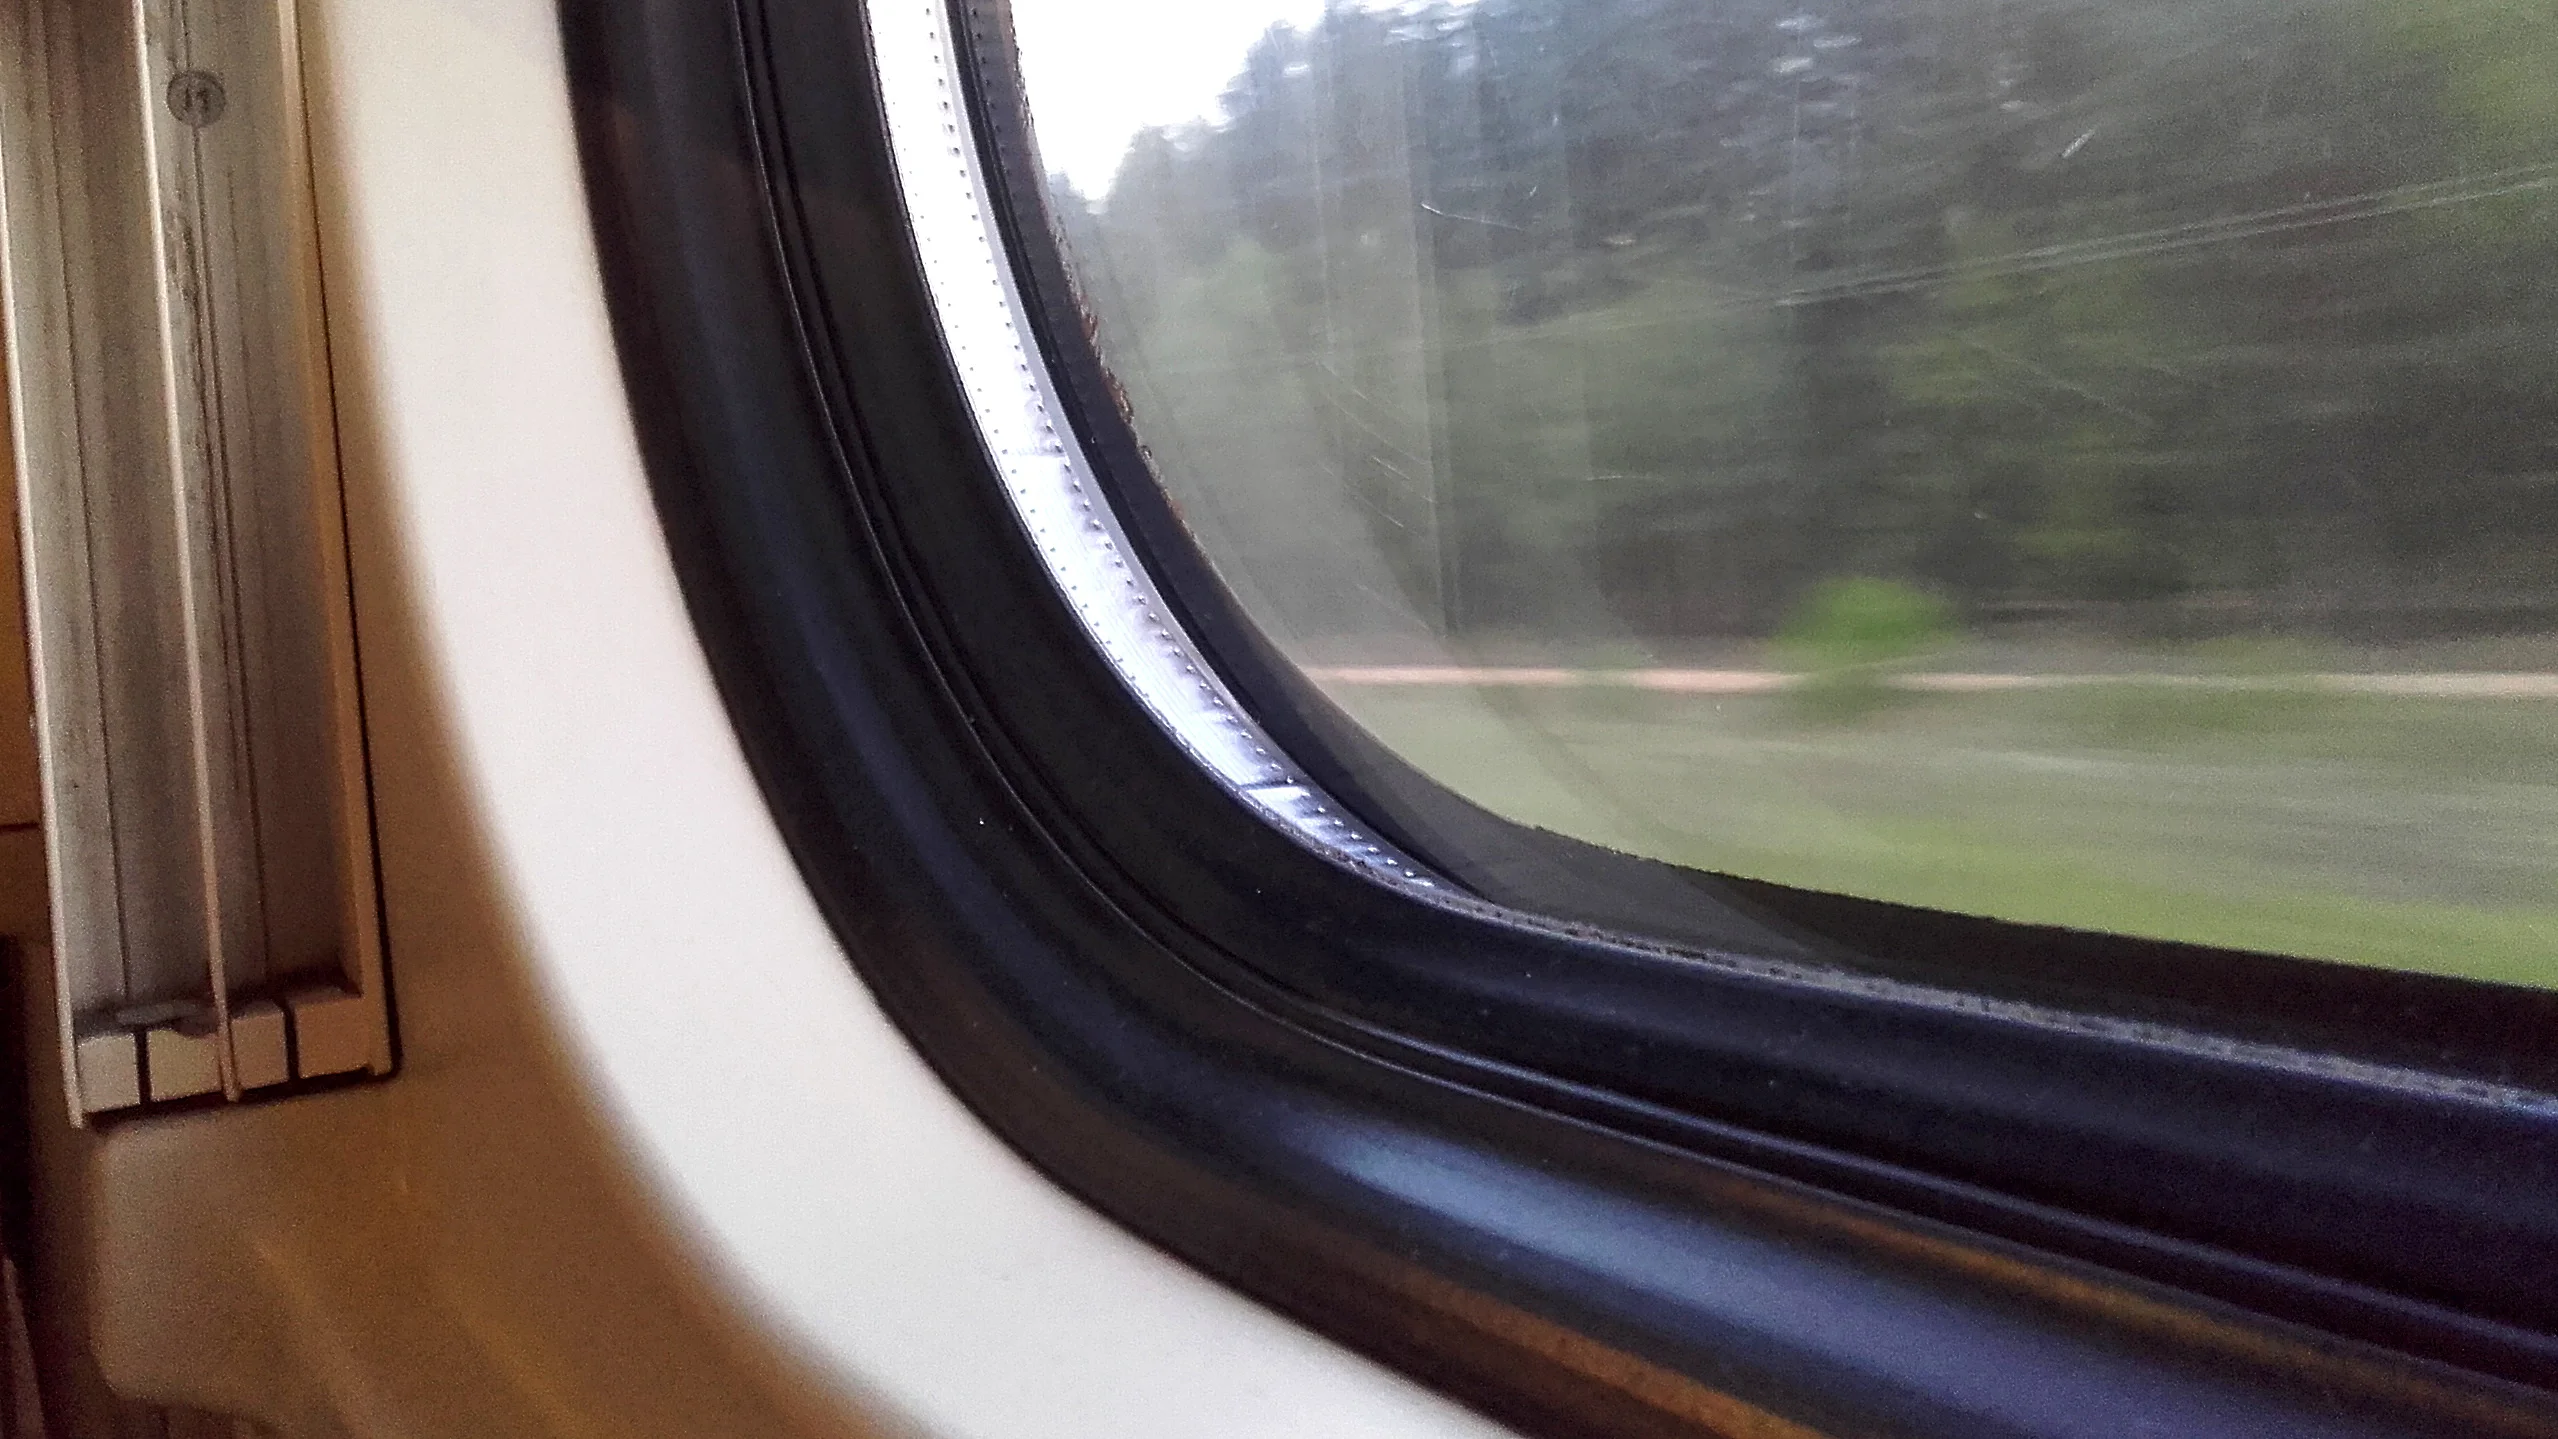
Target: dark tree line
(1646, 316)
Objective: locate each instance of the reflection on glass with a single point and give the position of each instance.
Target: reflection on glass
(2092, 464)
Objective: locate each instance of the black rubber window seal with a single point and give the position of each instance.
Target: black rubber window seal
(1589, 1184)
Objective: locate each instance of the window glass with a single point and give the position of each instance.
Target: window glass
(2082, 463)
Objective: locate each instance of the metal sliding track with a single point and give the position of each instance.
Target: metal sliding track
(190, 623)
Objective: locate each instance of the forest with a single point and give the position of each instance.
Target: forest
(1642, 320)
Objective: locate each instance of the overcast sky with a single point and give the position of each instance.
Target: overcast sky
(1099, 71)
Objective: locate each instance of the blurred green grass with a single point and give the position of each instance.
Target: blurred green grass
(2417, 833)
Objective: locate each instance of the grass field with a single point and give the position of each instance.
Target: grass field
(2408, 831)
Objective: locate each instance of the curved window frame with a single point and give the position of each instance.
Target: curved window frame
(1001, 367)
(1786, 1172)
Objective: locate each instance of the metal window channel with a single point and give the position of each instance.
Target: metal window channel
(190, 622)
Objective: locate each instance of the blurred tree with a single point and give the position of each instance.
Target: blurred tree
(1649, 316)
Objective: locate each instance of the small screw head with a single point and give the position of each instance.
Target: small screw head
(196, 98)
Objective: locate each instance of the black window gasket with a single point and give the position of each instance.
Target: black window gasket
(1829, 1199)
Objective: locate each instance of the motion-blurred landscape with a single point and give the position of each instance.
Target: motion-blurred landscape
(2123, 435)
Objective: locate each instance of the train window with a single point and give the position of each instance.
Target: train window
(1670, 712)
(2081, 464)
